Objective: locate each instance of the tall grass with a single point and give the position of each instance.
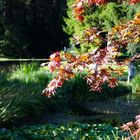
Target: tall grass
(30, 73)
(77, 91)
(136, 83)
(20, 94)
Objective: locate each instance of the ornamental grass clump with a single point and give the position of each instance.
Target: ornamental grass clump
(20, 94)
(136, 83)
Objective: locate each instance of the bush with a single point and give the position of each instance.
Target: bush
(10, 110)
(73, 131)
(19, 105)
(77, 91)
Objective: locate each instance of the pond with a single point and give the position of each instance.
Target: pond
(118, 110)
(113, 111)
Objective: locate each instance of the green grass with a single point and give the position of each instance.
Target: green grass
(30, 73)
(2, 58)
(20, 94)
(21, 89)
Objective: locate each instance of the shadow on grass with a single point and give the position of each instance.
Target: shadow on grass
(20, 101)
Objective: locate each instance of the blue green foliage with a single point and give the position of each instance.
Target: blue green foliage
(73, 131)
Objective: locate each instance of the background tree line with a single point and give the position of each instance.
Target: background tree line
(37, 28)
(31, 28)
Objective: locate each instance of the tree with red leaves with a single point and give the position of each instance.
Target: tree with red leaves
(98, 63)
(66, 65)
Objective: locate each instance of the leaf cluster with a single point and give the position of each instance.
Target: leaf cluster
(72, 131)
(103, 17)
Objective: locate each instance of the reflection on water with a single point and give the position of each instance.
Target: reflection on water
(119, 110)
(131, 98)
(112, 111)
(128, 106)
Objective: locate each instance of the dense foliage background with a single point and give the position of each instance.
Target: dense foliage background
(31, 28)
(104, 17)
(38, 28)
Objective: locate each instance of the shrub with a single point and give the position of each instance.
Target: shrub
(77, 91)
(73, 131)
(10, 111)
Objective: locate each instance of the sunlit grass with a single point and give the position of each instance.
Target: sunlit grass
(136, 83)
(21, 93)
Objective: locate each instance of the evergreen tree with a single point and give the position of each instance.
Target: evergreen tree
(104, 17)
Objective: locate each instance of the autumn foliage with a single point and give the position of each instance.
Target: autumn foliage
(134, 1)
(80, 6)
(133, 127)
(97, 63)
